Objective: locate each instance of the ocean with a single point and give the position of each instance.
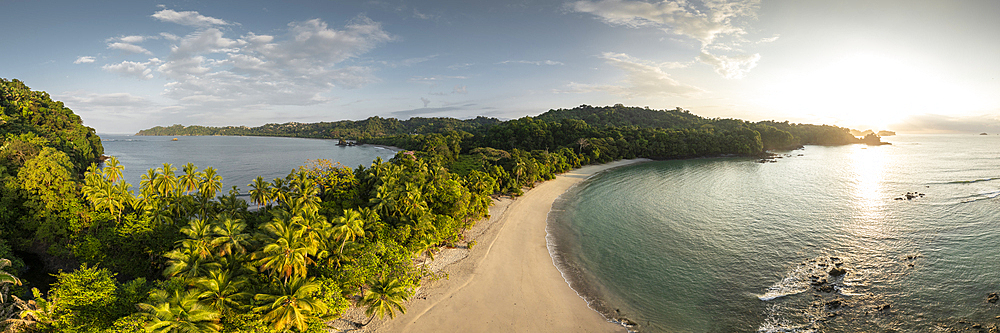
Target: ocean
(824, 239)
(238, 159)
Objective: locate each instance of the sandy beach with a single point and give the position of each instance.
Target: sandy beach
(507, 282)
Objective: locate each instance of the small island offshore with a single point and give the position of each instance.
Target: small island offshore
(326, 247)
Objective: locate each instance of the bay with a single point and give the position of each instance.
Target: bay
(732, 245)
(238, 159)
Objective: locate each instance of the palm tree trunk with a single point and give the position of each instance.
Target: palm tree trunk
(369, 320)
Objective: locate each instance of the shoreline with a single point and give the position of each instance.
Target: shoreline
(509, 282)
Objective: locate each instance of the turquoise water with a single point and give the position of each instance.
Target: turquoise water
(731, 245)
(238, 159)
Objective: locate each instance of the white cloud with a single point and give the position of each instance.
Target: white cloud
(210, 73)
(84, 60)
(130, 48)
(423, 16)
(137, 70)
(536, 63)
(169, 36)
(731, 67)
(768, 39)
(132, 39)
(435, 79)
(295, 68)
(108, 113)
(459, 90)
(703, 21)
(105, 100)
(189, 18)
(642, 78)
(460, 66)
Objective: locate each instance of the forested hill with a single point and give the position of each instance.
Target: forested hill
(620, 115)
(31, 121)
(346, 129)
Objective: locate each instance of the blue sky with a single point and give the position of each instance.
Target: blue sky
(911, 66)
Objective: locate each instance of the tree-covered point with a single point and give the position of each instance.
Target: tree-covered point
(345, 129)
(31, 120)
(613, 132)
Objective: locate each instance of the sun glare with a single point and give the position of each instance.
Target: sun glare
(868, 90)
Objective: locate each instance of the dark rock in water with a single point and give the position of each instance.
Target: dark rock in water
(993, 298)
(817, 281)
(910, 196)
(826, 289)
(884, 307)
(834, 304)
(838, 271)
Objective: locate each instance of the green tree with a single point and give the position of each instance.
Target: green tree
(178, 312)
(288, 248)
(292, 304)
(6, 279)
(348, 227)
(260, 192)
(385, 297)
(222, 290)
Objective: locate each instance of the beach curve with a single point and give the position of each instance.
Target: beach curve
(509, 282)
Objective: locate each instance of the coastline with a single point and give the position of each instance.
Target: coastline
(508, 282)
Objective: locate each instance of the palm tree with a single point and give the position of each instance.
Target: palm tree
(222, 290)
(349, 227)
(179, 312)
(188, 264)
(33, 313)
(199, 238)
(260, 192)
(189, 181)
(292, 304)
(231, 204)
(279, 192)
(210, 186)
(229, 236)
(384, 297)
(211, 183)
(146, 184)
(113, 169)
(288, 251)
(6, 279)
(165, 182)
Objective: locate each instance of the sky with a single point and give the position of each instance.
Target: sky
(908, 65)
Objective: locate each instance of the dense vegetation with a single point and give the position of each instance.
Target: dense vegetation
(178, 254)
(601, 133)
(362, 129)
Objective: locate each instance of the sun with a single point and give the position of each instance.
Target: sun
(866, 89)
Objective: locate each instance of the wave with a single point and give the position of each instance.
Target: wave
(784, 328)
(799, 279)
(979, 196)
(970, 181)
